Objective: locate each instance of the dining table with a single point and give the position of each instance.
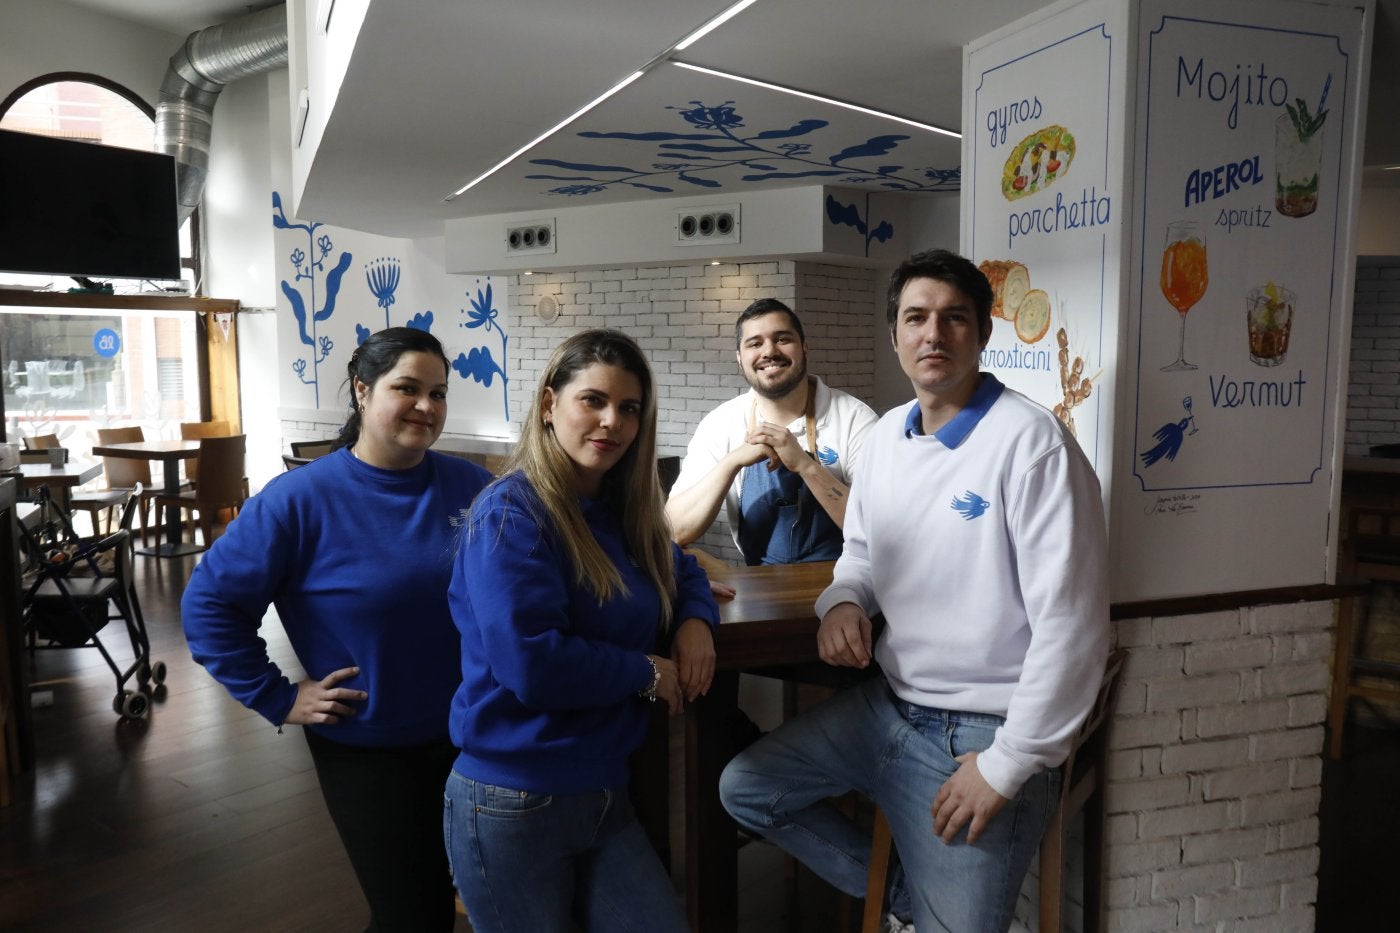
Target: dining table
(61, 479)
(169, 453)
(769, 629)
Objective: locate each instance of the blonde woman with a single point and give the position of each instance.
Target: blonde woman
(566, 587)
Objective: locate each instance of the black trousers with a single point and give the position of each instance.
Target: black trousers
(386, 804)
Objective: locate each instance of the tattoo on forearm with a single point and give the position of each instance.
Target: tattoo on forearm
(836, 492)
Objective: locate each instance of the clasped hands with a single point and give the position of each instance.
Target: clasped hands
(778, 444)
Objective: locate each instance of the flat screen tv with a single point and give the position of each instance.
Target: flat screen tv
(83, 209)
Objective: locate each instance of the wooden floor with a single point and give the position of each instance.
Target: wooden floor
(203, 817)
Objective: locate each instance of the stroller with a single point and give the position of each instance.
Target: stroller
(74, 587)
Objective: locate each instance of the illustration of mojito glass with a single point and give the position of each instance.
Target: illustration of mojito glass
(1298, 156)
(1269, 317)
(1184, 278)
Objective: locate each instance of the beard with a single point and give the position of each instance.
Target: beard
(793, 378)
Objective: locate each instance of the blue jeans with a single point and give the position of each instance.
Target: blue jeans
(868, 740)
(539, 862)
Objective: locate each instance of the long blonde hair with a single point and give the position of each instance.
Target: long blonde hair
(631, 490)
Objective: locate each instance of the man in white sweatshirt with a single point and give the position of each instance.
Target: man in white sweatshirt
(976, 526)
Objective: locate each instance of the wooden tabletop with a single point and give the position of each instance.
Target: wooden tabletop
(149, 450)
(70, 474)
(772, 618)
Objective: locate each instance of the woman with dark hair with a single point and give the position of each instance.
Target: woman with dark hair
(354, 550)
(566, 588)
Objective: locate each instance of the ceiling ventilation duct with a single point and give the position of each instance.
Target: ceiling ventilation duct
(208, 60)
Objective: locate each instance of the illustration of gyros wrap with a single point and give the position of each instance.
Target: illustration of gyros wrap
(1037, 160)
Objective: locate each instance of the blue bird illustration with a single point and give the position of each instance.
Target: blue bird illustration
(1170, 436)
(826, 456)
(970, 505)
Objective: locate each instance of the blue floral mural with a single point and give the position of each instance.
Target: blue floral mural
(382, 276)
(478, 364)
(849, 215)
(694, 158)
(310, 266)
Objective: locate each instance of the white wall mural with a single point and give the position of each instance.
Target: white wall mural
(337, 286)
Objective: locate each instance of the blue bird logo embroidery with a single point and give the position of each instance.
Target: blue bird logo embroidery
(970, 505)
(826, 456)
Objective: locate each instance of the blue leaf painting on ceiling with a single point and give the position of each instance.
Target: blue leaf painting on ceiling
(693, 158)
(849, 215)
(479, 364)
(310, 265)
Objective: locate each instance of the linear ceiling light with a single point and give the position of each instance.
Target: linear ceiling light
(545, 135)
(712, 25)
(817, 97)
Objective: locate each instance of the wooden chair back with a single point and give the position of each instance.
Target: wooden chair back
(124, 472)
(41, 442)
(221, 464)
(198, 430)
(310, 450)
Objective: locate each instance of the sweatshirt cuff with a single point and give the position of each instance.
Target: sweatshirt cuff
(1002, 772)
(836, 594)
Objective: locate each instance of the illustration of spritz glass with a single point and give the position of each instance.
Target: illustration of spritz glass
(1184, 278)
(1269, 316)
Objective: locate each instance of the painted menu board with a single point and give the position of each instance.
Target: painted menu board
(1043, 208)
(1240, 284)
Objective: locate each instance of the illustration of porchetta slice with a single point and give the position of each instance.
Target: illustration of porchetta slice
(1037, 160)
(1010, 280)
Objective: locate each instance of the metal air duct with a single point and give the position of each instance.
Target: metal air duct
(209, 59)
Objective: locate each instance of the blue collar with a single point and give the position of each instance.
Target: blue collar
(956, 431)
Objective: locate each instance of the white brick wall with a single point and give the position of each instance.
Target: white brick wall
(683, 318)
(1216, 771)
(1373, 400)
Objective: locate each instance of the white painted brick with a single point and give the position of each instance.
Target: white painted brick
(1143, 919)
(1179, 882)
(1236, 905)
(1299, 833)
(1241, 718)
(1286, 680)
(1289, 617)
(1307, 710)
(1130, 633)
(1120, 892)
(1294, 920)
(1142, 857)
(1300, 893)
(1197, 628)
(1150, 794)
(1281, 807)
(1177, 821)
(1189, 692)
(1230, 844)
(1137, 731)
(1247, 781)
(1293, 743)
(1120, 829)
(1124, 765)
(1154, 661)
(1203, 756)
(1228, 655)
(1290, 865)
(1305, 772)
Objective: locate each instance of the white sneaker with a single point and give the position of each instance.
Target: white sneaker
(893, 924)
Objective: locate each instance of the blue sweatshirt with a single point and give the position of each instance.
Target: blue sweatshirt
(548, 701)
(356, 561)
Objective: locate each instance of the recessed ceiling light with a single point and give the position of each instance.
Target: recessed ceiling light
(817, 97)
(712, 25)
(528, 272)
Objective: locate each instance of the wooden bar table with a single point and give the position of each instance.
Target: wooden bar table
(768, 628)
(169, 453)
(59, 479)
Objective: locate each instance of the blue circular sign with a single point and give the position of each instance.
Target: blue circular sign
(106, 342)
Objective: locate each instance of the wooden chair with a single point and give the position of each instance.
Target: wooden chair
(198, 430)
(310, 450)
(1371, 550)
(221, 463)
(41, 442)
(1082, 789)
(121, 475)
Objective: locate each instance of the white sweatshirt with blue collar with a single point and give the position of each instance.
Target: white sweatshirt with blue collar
(985, 546)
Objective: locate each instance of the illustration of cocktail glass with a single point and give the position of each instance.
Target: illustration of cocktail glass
(1184, 278)
(1269, 315)
(1297, 159)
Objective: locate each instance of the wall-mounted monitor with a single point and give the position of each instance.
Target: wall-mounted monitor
(84, 209)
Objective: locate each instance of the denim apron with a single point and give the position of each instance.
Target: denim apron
(780, 521)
